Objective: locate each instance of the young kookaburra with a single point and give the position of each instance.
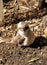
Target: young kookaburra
(26, 33)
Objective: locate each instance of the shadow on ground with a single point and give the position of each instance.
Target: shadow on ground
(39, 42)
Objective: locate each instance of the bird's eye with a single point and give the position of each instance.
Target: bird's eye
(26, 27)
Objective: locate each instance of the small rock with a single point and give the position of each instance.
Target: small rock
(44, 21)
(45, 1)
(45, 32)
(36, 28)
(4, 10)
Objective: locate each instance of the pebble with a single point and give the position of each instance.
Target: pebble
(45, 1)
(45, 32)
(44, 21)
(35, 28)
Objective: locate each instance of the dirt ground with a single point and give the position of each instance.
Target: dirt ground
(12, 54)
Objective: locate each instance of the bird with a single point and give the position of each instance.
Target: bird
(25, 32)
